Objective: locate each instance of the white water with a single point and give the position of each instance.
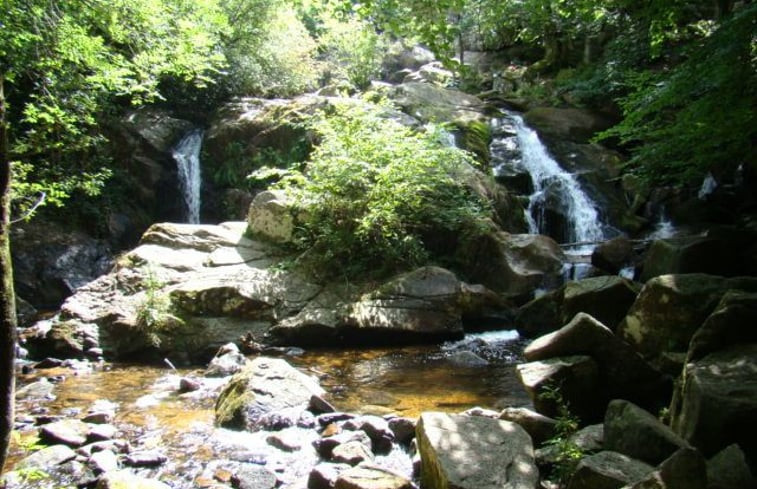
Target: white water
(187, 156)
(583, 219)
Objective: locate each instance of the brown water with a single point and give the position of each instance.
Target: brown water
(407, 381)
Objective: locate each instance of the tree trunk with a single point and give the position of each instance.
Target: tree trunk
(7, 296)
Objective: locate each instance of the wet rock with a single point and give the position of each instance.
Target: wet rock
(123, 479)
(670, 308)
(634, 432)
(189, 385)
(717, 398)
(288, 440)
(541, 315)
(146, 458)
(352, 453)
(733, 322)
(612, 255)
(728, 469)
(319, 405)
(690, 254)
(41, 389)
(685, 469)
(466, 359)
(264, 385)
(371, 478)
(325, 446)
(623, 373)
(103, 461)
(474, 452)
(47, 457)
(606, 298)
(98, 417)
(69, 432)
(252, 476)
(607, 470)
(48, 363)
(577, 377)
(329, 418)
(377, 430)
(324, 475)
(539, 427)
(116, 446)
(403, 429)
(513, 264)
(101, 432)
(286, 418)
(228, 361)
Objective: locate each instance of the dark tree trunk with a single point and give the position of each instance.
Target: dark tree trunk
(7, 296)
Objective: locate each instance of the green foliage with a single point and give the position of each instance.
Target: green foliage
(568, 453)
(699, 116)
(155, 312)
(374, 191)
(351, 50)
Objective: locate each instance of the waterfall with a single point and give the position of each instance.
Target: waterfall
(187, 156)
(557, 206)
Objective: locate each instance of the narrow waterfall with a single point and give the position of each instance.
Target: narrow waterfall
(557, 205)
(187, 156)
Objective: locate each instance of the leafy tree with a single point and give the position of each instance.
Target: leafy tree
(63, 67)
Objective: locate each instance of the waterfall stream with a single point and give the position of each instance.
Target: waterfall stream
(557, 205)
(187, 156)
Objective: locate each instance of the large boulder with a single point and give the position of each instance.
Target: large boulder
(733, 322)
(670, 308)
(270, 216)
(513, 264)
(607, 298)
(728, 469)
(685, 469)
(633, 431)
(622, 371)
(50, 263)
(690, 254)
(612, 255)
(265, 385)
(426, 304)
(577, 379)
(574, 124)
(473, 452)
(607, 470)
(717, 403)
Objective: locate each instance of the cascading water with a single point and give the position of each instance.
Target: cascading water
(554, 192)
(187, 156)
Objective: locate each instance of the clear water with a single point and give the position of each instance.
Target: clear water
(187, 156)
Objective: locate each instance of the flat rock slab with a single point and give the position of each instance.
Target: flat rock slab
(472, 452)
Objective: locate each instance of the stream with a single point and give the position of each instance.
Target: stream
(152, 414)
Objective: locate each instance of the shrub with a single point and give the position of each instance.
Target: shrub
(374, 192)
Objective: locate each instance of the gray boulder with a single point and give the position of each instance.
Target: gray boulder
(622, 371)
(612, 255)
(270, 216)
(367, 477)
(576, 377)
(733, 322)
(539, 427)
(607, 470)
(474, 453)
(717, 401)
(685, 469)
(690, 254)
(634, 432)
(670, 308)
(573, 124)
(263, 386)
(728, 469)
(228, 361)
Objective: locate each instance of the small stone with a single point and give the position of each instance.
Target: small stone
(102, 432)
(351, 453)
(47, 457)
(252, 476)
(328, 418)
(403, 429)
(147, 458)
(71, 432)
(287, 440)
(371, 478)
(101, 417)
(48, 363)
(479, 411)
(123, 479)
(103, 461)
(319, 405)
(324, 475)
(189, 385)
